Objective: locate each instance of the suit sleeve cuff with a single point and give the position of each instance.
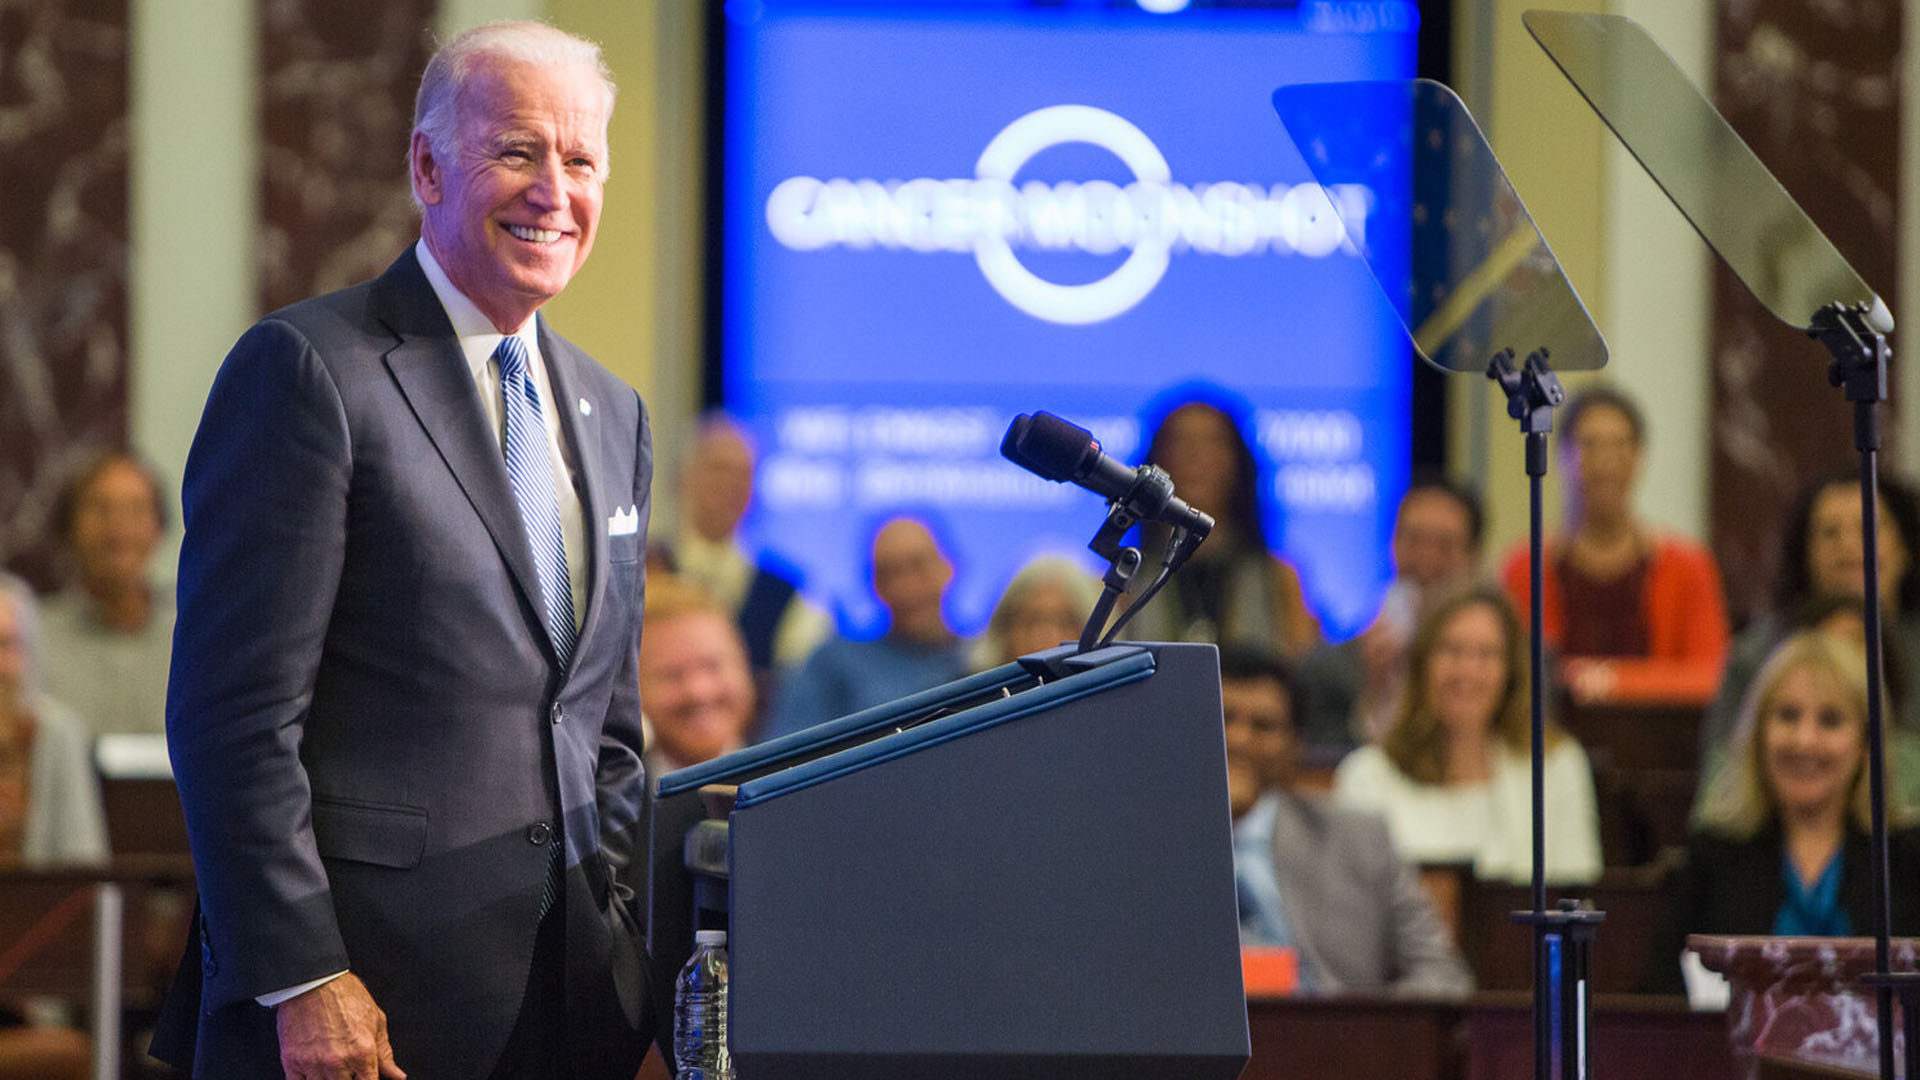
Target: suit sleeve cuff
(291, 992)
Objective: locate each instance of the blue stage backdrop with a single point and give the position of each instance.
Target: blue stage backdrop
(940, 214)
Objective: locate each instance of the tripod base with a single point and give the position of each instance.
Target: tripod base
(1562, 979)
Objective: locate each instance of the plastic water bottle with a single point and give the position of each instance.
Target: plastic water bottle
(700, 1011)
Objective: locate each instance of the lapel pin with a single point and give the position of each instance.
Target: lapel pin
(586, 407)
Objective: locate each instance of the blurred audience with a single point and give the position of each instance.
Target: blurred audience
(1349, 689)
(50, 811)
(50, 815)
(696, 689)
(1843, 616)
(108, 635)
(1822, 555)
(780, 629)
(910, 575)
(1453, 774)
(1319, 878)
(1046, 604)
(1782, 842)
(1651, 619)
(1233, 589)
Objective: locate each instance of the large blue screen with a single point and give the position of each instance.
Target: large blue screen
(938, 215)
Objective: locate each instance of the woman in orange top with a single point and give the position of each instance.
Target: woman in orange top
(1634, 613)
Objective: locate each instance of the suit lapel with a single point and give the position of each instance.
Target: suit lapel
(433, 376)
(563, 374)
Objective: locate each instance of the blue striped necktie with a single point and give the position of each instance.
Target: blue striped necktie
(530, 471)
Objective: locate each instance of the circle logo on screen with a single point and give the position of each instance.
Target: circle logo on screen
(1152, 217)
(1093, 301)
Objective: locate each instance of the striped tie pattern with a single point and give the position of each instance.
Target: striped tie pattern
(531, 472)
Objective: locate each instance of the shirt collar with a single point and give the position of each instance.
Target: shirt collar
(1254, 830)
(477, 335)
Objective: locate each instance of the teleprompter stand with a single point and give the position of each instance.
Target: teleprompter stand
(1477, 284)
(1563, 936)
(1740, 209)
(1859, 369)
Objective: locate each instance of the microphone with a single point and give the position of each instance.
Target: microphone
(1057, 450)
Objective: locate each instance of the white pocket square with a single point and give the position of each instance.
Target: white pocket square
(624, 522)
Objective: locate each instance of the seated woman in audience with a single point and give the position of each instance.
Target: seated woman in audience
(49, 814)
(1652, 620)
(1782, 844)
(50, 809)
(1843, 615)
(1821, 555)
(1233, 589)
(1453, 774)
(108, 635)
(1045, 604)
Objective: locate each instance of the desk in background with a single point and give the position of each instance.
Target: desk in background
(1488, 1036)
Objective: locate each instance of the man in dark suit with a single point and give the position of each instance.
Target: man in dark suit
(403, 712)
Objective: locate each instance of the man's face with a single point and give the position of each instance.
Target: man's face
(910, 576)
(116, 523)
(510, 214)
(718, 482)
(695, 686)
(1432, 539)
(1260, 744)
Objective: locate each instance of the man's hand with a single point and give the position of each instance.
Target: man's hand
(335, 1032)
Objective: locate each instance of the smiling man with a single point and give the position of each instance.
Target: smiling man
(403, 710)
(695, 683)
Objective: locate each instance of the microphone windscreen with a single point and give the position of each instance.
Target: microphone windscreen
(1047, 445)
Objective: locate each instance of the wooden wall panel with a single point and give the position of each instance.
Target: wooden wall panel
(337, 85)
(1814, 89)
(63, 257)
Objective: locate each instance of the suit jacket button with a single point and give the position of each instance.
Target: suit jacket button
(538, 833)
(556, 714)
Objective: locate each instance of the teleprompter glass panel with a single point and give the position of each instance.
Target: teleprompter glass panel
(1708, 171)
(1425, 201)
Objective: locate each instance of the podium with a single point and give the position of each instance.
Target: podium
(1027, 873)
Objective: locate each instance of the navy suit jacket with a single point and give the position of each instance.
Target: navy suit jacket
(374, 741)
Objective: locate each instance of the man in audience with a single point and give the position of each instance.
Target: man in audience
(108, 636)
(777, 626)
(1322, 879)
(1348, 689)
(695, 688)
(918, 651)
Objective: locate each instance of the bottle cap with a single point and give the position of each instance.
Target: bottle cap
(710, 937)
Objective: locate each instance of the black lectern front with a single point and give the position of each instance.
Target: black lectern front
(1037, 883)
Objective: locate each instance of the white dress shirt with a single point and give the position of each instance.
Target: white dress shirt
(478, 340)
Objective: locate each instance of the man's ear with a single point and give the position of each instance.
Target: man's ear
(424, 169)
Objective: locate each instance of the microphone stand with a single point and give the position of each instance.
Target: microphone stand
(1148, 496)
(1122, 564)
(1563, 937)
(1860, 355)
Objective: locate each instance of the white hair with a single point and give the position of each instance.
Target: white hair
(436, 108)
(1059, 571)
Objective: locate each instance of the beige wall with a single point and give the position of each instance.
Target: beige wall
(1640, 269)
(194, 189)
